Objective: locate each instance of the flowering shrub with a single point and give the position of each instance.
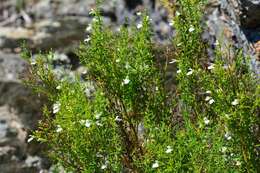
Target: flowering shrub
(119, 117)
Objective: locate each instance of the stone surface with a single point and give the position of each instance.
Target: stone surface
(225, 26)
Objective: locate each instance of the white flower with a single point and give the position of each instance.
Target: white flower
(126, 81)
(156, 88)
(56, 107)
(235, 102)
(87, 123)
(117, 60)
(33, 62)
(117, 119)
(127, 66)
(173, 61)
(139, 13)
(212, 66)
(191, 29)
(179, 44)
(98, 115)
(87, 39)
(169, 149)
(208, 92)
(104, 166)
(139, 25)
(98, 123)
(190, 72)
(216, 43)
(171, 23)
(30, 139)
(207, 98)
(177, 13)
(228, 136)
(85, 72)
(59, 129)
(58, 87)
(223, 149)
(211, 101)
(99, 155)
(92, 11)
(82, 122)
(178, 71)
(89, 28)
(94, 20)
(206, 120)
(238, 163)
(155, 164)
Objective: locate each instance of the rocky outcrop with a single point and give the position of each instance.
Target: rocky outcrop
(227, 23)
(250, 13)
(19, 113)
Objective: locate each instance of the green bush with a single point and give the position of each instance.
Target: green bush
(120, 117)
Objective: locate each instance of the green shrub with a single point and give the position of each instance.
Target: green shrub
(130, 123)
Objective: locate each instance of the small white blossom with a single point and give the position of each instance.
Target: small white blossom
(238, 163)
(207, 98)
(59, 129)
(117, 60)
(98, 123)
(88, 123)
(206, 120)
(156, 88)
(173, 61)
(211, 101)
(98, 115)
(235, 102)
(139, 13)
(99, 155)
(177, 13)
(30, 139)
(82, 122)
(58, 87)
(216, 43)
(223, 149)
(139, 25)
(212, 66)
(104, 166)
(92, 11)
(208, 92)
(33, 62)
(169, 149)
(189, 72)
(94, 20)
(117, 119)
(85, 72)
(191, 29)
(126, 81)
(155, 164)
(171, 23)
(87, 39)
(89, 28)
(228, 136)
(56, 107)
(178, 71)
(179, 44)
(127, 66)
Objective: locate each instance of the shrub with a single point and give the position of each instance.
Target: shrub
(120, 117)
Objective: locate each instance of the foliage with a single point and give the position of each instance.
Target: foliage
(130, 123)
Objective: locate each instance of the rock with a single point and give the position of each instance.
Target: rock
(250, 15)
(224, 25)
(19, 112)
